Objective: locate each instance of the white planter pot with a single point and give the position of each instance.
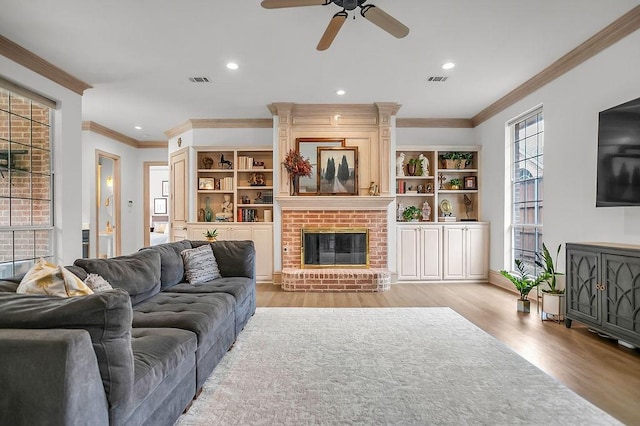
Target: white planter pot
(553, 304)
(524, 306)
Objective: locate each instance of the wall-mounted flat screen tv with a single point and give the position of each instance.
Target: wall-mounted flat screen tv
(619, 156)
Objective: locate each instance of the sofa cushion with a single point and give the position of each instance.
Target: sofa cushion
(198, 313)
(107, 318)
(157, 352)
(138, 273)
(239, 287)
(200, 265)
(235, 258)
(171, 264)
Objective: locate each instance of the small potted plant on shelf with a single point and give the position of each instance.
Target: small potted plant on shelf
(552, 296)
(524, 283)
(412, 167)
(468, 158)
(455, 183)
(210, 234)
(411, 214)
(451, 160)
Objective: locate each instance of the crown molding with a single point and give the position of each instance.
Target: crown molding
(94, 127)
(609, 35)
(219, 123)
(35, 63)
(462, 123)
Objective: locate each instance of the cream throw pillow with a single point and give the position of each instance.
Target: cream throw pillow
(200, 264)
(96, 283)
(52, 280)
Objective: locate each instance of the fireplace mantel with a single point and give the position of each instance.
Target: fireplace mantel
(335, 202)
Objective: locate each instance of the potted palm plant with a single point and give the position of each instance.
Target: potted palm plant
(524, 283)
(552, 296)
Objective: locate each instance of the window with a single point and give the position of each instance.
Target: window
(527, 171)
(26, 201)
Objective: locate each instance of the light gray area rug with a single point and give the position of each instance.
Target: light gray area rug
(391, 366)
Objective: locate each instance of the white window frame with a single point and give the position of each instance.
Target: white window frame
(22, 264)
(510, 140)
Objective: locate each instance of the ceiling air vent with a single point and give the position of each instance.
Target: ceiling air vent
(437, 79)
(199, 79)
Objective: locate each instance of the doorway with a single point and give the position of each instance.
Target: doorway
(156, 195)
(107, 228)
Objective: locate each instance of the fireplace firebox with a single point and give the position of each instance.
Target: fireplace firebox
(335, 248)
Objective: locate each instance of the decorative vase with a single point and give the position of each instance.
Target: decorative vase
(411, 169)
(455, 187)
(295, 180)
(208, 213)
(211, 239)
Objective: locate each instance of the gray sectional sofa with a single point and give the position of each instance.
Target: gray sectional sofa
(134, 355)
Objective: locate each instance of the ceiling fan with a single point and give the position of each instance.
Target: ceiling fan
(370, 12)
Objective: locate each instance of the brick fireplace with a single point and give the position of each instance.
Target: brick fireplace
(340, 212)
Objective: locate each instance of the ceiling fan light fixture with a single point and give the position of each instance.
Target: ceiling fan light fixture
(382, 19)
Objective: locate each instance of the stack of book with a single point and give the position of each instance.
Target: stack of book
(247, 215)
(447, 219)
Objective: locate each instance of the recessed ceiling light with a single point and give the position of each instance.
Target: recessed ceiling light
(232, 66)
(448, 66)
(138, 128)
(340, 92)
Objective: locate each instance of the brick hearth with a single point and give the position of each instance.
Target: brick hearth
(372, 217)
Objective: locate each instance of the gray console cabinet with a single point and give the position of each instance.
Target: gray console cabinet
(603, 289)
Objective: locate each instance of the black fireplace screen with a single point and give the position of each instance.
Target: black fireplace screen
(335, 247)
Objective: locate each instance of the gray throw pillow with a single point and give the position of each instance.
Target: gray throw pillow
(200, 264)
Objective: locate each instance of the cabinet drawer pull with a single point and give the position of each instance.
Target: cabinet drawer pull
(601, 287)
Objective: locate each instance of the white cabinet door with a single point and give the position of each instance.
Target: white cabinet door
(466, 252)
(419, 253)
(408, 253)
(477, 252)
(430, 252)
(454, 250)
(262, 237)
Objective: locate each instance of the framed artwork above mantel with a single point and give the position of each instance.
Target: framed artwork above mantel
(308, 148)
(338, 170)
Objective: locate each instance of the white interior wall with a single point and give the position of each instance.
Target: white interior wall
(571, 106)
(67, 141)
(131, 188)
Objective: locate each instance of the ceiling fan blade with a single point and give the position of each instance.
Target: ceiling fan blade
(385, 21)
(276, 4)
(332, 30)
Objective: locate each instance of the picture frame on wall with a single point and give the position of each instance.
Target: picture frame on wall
(159, 206)
(337, 171)
(165, 188)
(308, 148)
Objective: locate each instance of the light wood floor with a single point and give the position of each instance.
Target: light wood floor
(598, 369)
